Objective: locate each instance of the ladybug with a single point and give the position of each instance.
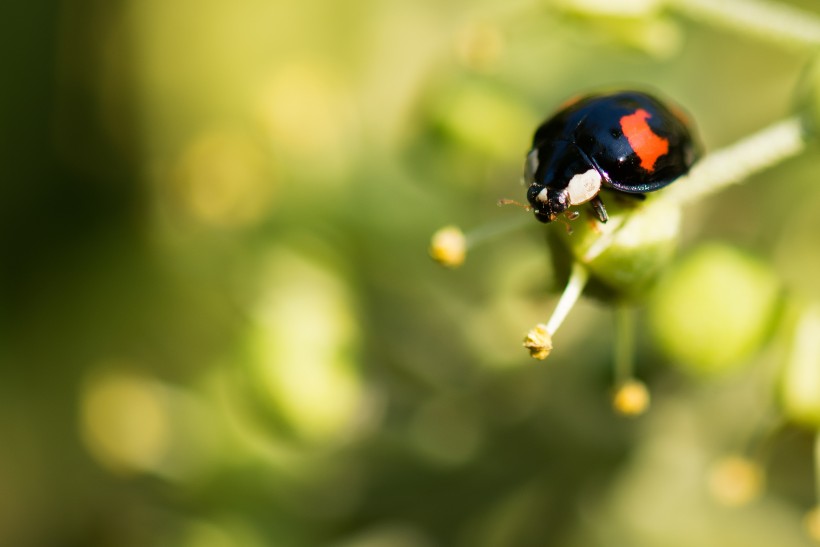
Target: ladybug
(627, 142)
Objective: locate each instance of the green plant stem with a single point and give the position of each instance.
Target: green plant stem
(764, 18)
(736, 162)
(817, 465)
(575, 286)
(624, 343)
(716, 171)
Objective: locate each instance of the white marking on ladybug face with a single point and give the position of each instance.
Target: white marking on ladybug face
(542, 196)
(583, 187)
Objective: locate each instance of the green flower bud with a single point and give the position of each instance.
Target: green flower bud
(625, 255)
(715, 309)
(800, 383)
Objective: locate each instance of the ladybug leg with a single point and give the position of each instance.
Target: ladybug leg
(599, 209)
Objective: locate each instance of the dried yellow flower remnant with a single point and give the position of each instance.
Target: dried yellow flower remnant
(539, 342)
(631, 398)
(448, 247)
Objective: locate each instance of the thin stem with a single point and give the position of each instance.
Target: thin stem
(575, 286)
(764, 18)
(736, 162)
(720, 169)
(624, 344)
(449, 245)
(485, 233)
(817, 466)
(602, 243)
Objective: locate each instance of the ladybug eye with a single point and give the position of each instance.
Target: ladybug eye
(531, 166)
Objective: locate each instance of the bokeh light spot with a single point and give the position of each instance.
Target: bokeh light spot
(310, 117)
(800, 383)
(735, 481)
(124, 422)
(303, 343)
(221, 179)
(714, 309)
(479, 45)
(622, 8)
(389, 535)
(812, 523)
(487, 120)
(445, 433)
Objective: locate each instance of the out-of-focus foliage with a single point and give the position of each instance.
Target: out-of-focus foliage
(715, 310)
(221, 326)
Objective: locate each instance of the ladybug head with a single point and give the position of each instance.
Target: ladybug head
(547, 203)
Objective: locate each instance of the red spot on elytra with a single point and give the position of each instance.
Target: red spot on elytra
(646, 144)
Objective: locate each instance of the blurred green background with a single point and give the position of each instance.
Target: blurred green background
(220, 325)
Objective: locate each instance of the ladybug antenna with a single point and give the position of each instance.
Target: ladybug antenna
(506, 201)
(565, 221)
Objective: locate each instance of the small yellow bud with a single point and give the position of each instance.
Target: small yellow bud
(631, 398)
(448, 247)
(539, 342)
(812, 523)
(736, 481)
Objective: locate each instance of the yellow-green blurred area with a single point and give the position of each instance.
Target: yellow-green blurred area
(220, 325)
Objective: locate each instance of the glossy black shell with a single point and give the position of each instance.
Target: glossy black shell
(588, 134)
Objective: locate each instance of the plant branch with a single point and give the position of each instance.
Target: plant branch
(764, 18)
(624, 344)
(736, 162)
(575, 286)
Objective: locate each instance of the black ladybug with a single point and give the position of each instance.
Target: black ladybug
(627, 142)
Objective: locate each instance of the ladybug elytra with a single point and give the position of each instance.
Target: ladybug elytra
(625, 142)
